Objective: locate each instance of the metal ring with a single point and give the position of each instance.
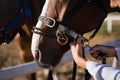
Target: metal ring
(65, 38)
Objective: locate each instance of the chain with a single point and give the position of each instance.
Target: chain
(86, 43)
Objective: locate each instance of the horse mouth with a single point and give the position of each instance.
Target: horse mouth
(40, 62)
(45, 65)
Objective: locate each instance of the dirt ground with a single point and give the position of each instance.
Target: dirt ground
(9, 56)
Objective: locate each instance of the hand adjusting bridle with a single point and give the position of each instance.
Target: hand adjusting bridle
(86, 43)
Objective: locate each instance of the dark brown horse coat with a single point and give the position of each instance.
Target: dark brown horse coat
(80, 16)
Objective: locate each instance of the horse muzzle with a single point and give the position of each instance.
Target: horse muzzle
(37, 57)
(45, 65)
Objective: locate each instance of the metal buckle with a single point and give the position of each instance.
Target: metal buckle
(49, 22)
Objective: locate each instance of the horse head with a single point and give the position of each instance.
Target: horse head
(59, 24)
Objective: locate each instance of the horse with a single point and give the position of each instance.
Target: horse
(60, 23)
(16, 21)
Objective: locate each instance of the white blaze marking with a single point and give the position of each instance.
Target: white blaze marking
(35, 37)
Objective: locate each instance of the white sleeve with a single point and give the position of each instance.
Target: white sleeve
(117, 48)
(102, 71)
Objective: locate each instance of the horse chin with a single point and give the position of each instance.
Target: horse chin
(43, 63)
(38, 60)
(46, 65)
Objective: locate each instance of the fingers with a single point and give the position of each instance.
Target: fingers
(99, 55)
(109, 51)
(78, 41)
(76, 48)
(96, 52)
(96, 55)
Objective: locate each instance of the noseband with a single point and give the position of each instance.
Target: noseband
(63, 34)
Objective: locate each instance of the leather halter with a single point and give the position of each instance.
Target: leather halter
(61, 34)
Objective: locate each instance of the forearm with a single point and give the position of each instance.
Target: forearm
(102, 71)
(81, 62)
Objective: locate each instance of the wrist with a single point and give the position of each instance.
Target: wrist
(81, 62)
(110, 51)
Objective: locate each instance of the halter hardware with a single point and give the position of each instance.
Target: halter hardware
(50, 22)
(62, 33)
(61, 38)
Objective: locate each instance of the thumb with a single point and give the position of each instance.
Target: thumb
(79, 39)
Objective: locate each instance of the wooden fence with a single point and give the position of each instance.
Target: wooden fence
(110, 18)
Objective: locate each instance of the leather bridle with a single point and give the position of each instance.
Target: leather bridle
(63, 34)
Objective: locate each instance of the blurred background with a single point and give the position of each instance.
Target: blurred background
(9, 54)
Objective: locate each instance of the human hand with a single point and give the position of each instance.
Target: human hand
(109, 51)
(76, 49)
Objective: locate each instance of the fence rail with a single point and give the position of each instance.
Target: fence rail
(110, 18)
(24, 69)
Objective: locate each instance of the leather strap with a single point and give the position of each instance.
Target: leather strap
(50, 22)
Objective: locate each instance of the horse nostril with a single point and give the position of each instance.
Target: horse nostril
(37, 55)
